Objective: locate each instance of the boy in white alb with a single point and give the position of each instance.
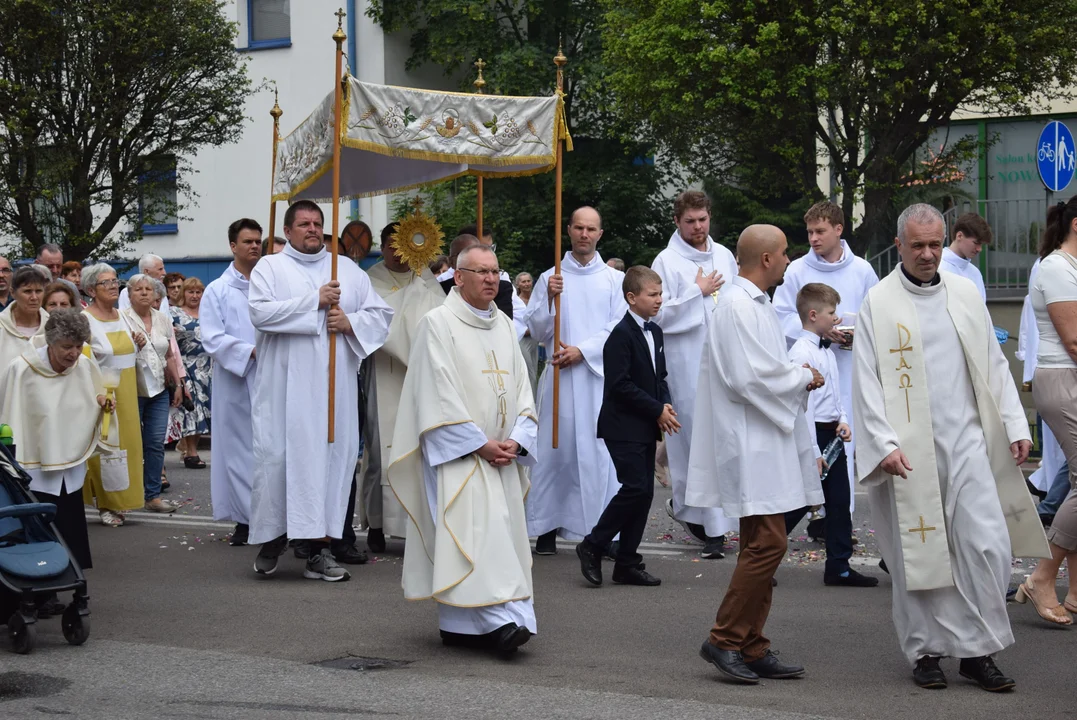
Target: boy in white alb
(970, 233)
(817, 306)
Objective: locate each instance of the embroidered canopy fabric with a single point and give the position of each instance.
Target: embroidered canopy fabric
(399, 138)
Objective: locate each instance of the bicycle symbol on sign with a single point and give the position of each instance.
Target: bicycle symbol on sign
(1046, 153)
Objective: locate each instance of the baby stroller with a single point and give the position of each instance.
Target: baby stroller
(34, 562)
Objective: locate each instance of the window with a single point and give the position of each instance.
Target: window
(269, 24)
(158, 198)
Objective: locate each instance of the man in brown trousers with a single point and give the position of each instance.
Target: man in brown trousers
(753, 454)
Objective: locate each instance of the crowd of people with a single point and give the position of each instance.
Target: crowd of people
(750, 377)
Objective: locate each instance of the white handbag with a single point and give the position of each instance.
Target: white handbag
(114, 477)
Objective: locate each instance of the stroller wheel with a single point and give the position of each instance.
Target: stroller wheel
(76, 627)
(23, 635)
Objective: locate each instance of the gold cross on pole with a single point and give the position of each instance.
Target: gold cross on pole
(416, 205)
(922, 530)
(340, 18)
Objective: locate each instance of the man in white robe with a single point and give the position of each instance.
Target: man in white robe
(228, 337)
(465, 426)
(830, 262)
(943, 435)
(301, 481)
(410, 296)
(573, 484)
(969, 234)
(693, 269)
(753, 453)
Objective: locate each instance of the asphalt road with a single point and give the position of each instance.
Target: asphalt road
(182, 628)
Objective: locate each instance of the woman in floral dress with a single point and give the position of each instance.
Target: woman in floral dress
(194, 420)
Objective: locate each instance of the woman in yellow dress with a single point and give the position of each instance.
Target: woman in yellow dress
(113, 347)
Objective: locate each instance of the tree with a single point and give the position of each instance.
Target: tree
(101, 103)
(518, 40)
(869, 80)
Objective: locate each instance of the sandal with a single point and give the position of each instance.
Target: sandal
(193, 462)
(110, 518)
(1054, 614)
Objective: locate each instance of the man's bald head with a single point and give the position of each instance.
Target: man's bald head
(458, 245)
(756, 240)
(762, 252)
(588, 213)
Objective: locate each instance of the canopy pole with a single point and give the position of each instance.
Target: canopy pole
(339, 37)
(276, 112)
(479, 84)
(559, 60)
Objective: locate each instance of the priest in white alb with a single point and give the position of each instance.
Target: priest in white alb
(943, 435)
(302, 481)
(465, 425)
(830, 261)
(411, 296)
(574, 482)
(228, 337)
(693, 269)
(753, 452)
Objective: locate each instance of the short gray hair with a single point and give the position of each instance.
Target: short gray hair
(159, 289)
(148, 259)
(91, 274)
(67, 324)
(920, 214)
(477, 247)
(138, 279)
(49, 247)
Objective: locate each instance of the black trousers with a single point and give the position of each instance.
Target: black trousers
(347, 536)
(838, 521)
(628, 510)
(70, 520)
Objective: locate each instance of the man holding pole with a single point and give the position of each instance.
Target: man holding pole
(301, 481)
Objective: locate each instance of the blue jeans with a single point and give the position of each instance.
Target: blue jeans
(153, 414)
(1056, 492)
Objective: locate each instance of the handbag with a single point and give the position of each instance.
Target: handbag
(114, 477)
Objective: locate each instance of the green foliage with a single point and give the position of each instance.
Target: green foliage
(96, 97)
(868, 80)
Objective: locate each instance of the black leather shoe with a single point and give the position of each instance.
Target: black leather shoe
(590, 562)
(451, 639)
(771, 668)
(508, 638)
(853, 579)
(634, 575)
(928, 675)
(350, 555)
(546, 544)
(612, 549)
(984, 672)
(375, 540)
(240, 535)
(729, 662)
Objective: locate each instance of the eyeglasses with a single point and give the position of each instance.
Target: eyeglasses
(5, 271)
(108, 283)
(495, 273)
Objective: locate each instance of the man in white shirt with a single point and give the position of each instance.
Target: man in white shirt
(970, 233)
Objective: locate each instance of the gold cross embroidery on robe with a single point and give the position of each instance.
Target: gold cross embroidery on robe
(904, 381)
(923, 530)
(497, 384)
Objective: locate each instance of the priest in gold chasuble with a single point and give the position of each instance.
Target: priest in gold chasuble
(465, 425)
(941, 438)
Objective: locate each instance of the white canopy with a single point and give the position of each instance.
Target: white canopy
(400, 138)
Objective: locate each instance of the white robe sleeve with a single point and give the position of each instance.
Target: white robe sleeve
(525, 432)
(370, 323)
(295, 316)
(680, 312)
(233, 354)
(799, 358)
(1004, 390)
(541, 313)
(754, 376)
(875, 438)
(519, 315)
(449, 442)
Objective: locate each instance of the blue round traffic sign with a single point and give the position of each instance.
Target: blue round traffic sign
(1055, 156)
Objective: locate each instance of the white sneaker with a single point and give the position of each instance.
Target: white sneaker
(324, 567)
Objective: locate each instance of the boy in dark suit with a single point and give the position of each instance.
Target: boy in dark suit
(636, 410)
